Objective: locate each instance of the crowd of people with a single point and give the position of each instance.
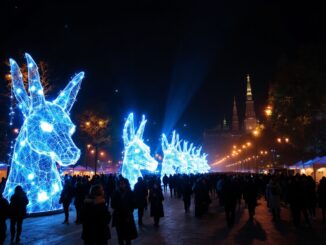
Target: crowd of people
(109, 199)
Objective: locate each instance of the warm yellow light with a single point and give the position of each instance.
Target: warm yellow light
(279, 140)
(88, 123)
(100, 122)
(255, 132)
(89, 146)
(268, 111)
(92, 151)
(287, 140)
(248, 143)
(234, 147)
(102, 153)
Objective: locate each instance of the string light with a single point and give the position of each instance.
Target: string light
(43, 140)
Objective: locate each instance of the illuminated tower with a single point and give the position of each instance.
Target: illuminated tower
(250, 121)
(235, 119)
(225, 125)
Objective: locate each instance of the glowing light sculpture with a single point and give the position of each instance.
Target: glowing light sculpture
(136, 153)
(201, 161)
(185, 159)
(43, 140)
(193, 163)
(171, 162)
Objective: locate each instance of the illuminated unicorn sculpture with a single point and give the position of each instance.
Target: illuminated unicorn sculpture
(44, 139)
(171, 161)
(199, 161)
(203, 166)
(136, 153)
(186, 158)
(182, 159)
(193, 161)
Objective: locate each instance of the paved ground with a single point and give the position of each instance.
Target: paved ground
(180, 228)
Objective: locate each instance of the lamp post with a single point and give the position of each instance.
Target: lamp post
(283, 140)
(88, 146)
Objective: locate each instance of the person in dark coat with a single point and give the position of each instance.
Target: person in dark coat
(311, 196)
(156, 200)
(202, 199)
(95, 218)
(186, 193)
(171, 184)
(4, 214)
(123, 206)
(165, 182)
(18, 204)
(229, 196)
(140, 194)
(80, 193)
(321, 192)
(250, 196)
(65, 199)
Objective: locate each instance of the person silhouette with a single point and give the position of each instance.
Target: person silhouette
(4, 214)
(18, 203)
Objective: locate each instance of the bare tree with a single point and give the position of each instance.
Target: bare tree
(95, 131)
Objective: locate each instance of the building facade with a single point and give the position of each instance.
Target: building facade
(219, 140)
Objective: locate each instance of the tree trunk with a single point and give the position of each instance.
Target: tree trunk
(96, 158)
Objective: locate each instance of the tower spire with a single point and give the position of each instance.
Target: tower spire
(235, 119)
(249, 93)
(250, 121)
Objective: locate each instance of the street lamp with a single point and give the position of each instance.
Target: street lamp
(256, 132)
(268, 111)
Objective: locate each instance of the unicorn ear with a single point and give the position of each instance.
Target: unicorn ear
(141, 128)
(34, 84)
(178, 143)
(165, 143)
(199, 151)
(67, 97)
(190, 147)
(18, 88)
(128, 130)
(185, 146)
(173, 141)
(193, 151)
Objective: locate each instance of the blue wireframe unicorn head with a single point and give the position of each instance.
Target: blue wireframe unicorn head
(171, 162)
(136, 153)
(44, 139)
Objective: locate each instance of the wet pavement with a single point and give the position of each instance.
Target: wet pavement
(177, 227)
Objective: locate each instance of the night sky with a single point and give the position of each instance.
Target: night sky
(181, 64)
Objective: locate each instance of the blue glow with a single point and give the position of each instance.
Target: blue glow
(30, 176)
(46, 127)
(43, 140)
(136, 153)
(171, 162)
(182, 159)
